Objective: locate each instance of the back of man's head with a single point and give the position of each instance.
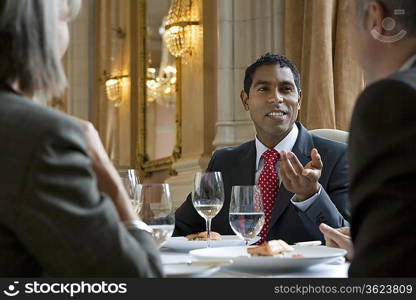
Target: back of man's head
(403, 12)
(270, 59)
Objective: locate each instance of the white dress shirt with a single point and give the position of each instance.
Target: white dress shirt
(409, 63)
(287, 145)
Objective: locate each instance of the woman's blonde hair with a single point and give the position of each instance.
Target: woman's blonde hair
(30, 51)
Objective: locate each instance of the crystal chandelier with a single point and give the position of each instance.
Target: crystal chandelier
(162, 87)
(183, 28)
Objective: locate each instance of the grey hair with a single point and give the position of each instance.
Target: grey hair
(407, 20)
(74, 7)
(31, 57)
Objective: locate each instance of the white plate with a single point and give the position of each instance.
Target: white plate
(182, 243)
(185, 270)
(313, 255)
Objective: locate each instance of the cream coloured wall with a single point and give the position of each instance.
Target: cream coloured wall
(247, 29)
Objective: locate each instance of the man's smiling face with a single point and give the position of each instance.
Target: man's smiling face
(273, 103)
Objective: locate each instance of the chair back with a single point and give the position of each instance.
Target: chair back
(331, 134)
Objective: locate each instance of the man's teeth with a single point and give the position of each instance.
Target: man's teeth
(276, 114)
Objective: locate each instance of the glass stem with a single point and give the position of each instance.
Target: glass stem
(209, 232)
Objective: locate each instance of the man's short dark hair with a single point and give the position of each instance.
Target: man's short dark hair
(270, 59)
(402, 11)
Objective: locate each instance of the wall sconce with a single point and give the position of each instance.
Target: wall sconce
(114, 84)
(183, 28)
(114, 88)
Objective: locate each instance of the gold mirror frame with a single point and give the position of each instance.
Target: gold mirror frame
(146, 165)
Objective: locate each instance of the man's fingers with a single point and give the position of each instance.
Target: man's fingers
(283, 174)
(345, 230)
(312, 174)
(338, 239)
(287, 167)
(330, 232)
(330, 243)
(285, 179)
(316, 159)
(296, 164)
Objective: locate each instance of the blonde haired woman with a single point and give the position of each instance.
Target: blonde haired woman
(63, 209)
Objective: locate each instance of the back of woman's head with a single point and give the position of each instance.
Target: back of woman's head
(29, 49)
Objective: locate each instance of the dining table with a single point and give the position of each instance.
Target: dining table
(172, 258)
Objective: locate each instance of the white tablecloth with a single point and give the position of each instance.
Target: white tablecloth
(338, 269)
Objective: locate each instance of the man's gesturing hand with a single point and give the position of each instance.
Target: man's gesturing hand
(298, 179)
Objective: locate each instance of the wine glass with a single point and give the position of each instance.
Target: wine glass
(157, 210)
(208, 197)
(131, 182)
(246, 211)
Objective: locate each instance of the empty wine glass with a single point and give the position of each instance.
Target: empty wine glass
(246, 211)
(208, 197)
(157, 210)
(131, 182)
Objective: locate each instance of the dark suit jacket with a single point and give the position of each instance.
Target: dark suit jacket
(53, 220)
(238, 167)
(382, 150)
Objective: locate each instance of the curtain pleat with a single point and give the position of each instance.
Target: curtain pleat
(316, 40)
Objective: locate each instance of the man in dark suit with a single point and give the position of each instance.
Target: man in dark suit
(383, 140)
(308, 190)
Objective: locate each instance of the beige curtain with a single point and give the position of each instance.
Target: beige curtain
(316, 40)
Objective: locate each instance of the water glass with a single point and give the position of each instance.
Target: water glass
(131, 182)
(246, 211)
(157, 210)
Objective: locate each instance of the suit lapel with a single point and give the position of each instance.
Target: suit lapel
(301, 149)
(244, 172)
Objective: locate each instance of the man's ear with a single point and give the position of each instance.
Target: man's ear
(300, 99)
(375, 16)
(244, 99)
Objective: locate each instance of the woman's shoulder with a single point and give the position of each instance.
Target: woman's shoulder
(31, 125)
(25, 112)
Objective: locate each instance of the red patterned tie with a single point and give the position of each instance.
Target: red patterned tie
(269, 185)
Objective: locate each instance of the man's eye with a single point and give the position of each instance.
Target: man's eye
(262, 89)
(287, 89)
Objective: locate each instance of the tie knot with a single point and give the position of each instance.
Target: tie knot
(271, 156)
